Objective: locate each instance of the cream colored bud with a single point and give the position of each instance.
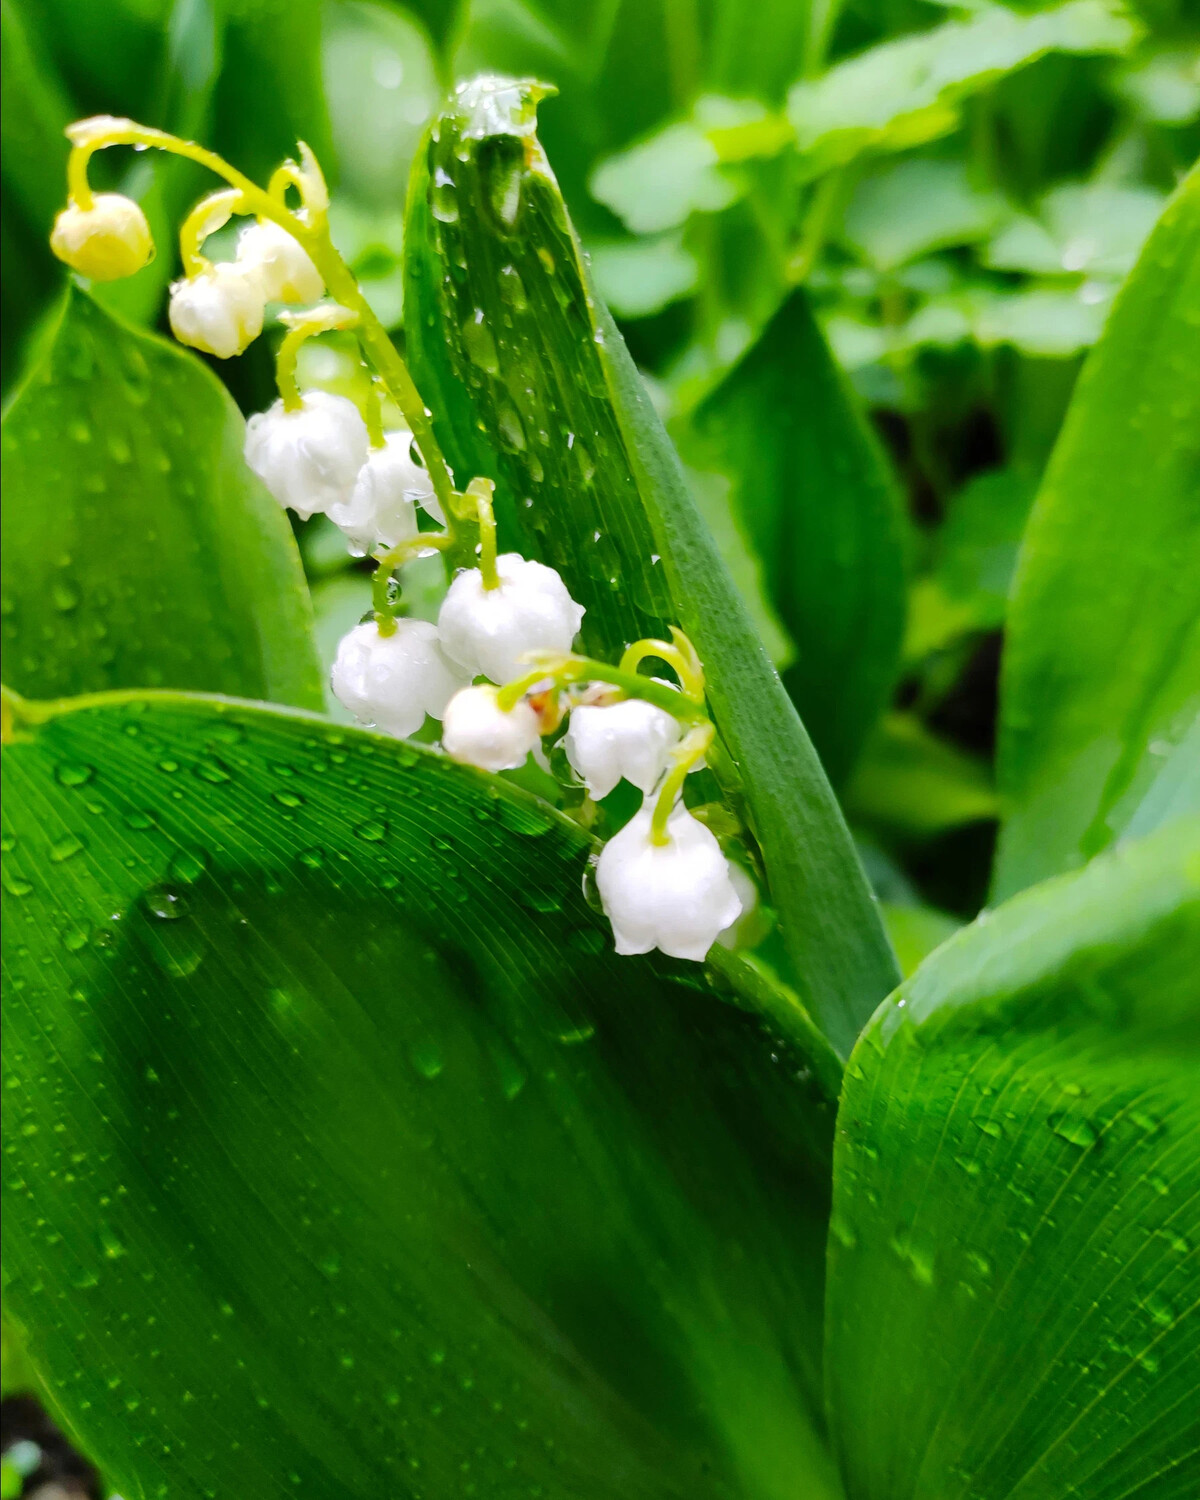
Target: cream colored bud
(219, 310)
(105, 242)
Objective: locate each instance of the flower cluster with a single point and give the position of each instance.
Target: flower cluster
(498, 668)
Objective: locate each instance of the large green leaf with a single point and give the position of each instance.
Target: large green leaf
(139, 551)
(1102, 664)
(813, 491)
(530, 380)
(907, 91)
(1012, 1277)
(348, 1160)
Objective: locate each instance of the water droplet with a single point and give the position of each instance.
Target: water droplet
(373, 830)
(64, 596)
(73, 773)
(443, 197)
(917, 1256)
(111, 1245)
(187, 865)
(523, 819)
(314, 858)
(212, 771)
(1163, 1312)
(75, 938)
(14, 884)
(481, 346)
(166, 904)
(1074, 1128)
(575, 1036)
(288, 799)
(62, 849)
(426, 1057)
(989, 1126)
(139, 821)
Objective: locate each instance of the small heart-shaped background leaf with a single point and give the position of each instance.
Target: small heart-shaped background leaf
(1016, 1237)
(1101, 689)
(139, 550)
(348, 1160)
(533, 384)
(811, 487)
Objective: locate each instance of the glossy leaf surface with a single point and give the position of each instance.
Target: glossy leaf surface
(1102, 665)
(139, 551)
(348, 1159)
(813, 491)
(534, 384)
(1016, 1235)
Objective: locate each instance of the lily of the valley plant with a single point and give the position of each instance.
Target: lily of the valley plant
(515, 1094)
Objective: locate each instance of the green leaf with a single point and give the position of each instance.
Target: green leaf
(1011, 1300)
(813, 491)
(639, 277)
(658, 183)
(347, 1156)
(1102, 665)
(906, 209)
(1096, 228)
(913, 784)
(517, 357)
(138, 548)
(904, 92)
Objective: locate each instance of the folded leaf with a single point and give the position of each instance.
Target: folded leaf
(1012, 1275)
(347, 1158)
(139, 550)
(1102, 664)
(813, 490)
(532, 382)
(904, 92)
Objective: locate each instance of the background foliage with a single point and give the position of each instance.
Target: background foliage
(860, 253)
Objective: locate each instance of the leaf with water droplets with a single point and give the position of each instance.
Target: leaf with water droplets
(1017, 1194)
(536, 390)
(138, 549)
(348, 1096)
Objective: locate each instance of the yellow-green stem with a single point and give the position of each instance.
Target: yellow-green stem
(435, 541)
(679, 654)
(562, 671)
(689, 750)
(206, 218)
(313, 234)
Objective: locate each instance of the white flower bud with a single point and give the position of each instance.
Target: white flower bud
(675, 896)
(393, 681)
(381, 508)
(219, 310)
(105, 242)
(308, 458)
(489, 630)
(477, 731)
(632, 739)
(283, 265)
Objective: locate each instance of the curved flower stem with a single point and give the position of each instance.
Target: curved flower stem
(481, 491)
(679, 654)
(312, 231)
(301, 326)
(209, 215)
(562, 671)
(429, 541)
(689, 750)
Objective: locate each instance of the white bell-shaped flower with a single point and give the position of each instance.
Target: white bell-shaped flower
(394, 680)
(283, 265)
(477, 731)
(219, 310)
(489, 630)
(309, 458)
(109, 240)
(382, 507)
(675, 896)
(631, 739)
